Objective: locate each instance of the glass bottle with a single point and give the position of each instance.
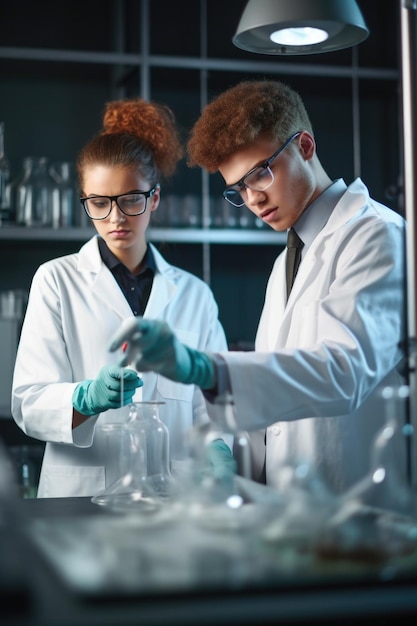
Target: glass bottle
(27, 474)
(63, 194)
(4, 179)
(158, 473)
(34, 194)
(148, 482)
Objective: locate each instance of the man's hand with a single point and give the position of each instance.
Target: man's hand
(105, 392)
(222, 462)
(150, 345)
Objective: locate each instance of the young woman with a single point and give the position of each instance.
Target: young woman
(66, 383)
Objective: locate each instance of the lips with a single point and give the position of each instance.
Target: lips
(265, 214)
(119, 233)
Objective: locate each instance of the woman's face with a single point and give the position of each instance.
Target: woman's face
(123, 234)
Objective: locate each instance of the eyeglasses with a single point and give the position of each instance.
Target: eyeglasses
(258, 178)
(130, 204)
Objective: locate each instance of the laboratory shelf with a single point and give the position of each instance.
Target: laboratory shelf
(173, 235)
(172, 61)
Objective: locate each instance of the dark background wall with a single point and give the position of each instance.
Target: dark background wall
(61, 61)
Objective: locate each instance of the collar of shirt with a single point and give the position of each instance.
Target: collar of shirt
(315, 217)
(136, 289)
(112, 261)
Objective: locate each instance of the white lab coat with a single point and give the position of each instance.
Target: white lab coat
(321, 359)
(75, 306)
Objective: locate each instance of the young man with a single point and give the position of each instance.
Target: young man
(325, 351)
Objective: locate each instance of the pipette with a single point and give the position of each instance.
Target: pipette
(124, 348)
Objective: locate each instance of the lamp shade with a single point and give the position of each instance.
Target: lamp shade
(289, 27)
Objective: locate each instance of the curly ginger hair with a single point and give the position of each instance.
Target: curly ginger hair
(138, 134)
(240, 115)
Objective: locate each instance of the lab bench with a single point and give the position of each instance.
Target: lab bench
(55, 552)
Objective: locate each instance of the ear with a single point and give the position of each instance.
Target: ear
(307, 145)
(155, 199)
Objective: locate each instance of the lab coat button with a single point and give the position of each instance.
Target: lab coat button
(276, 430)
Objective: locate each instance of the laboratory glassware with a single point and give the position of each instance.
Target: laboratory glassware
(34, 193)
(147, 482)
(4, 180)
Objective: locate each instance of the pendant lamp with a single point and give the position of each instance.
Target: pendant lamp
(288, 27)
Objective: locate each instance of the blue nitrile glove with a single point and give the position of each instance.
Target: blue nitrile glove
(94, 396)
(150, 345)
(222, 463)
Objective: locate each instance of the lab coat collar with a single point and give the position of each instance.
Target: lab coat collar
(353, 201)
(280, 314)
(106, 288)
(355, 198)
(164, 285)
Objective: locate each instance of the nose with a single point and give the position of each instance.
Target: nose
(116, 216)
(254, 197)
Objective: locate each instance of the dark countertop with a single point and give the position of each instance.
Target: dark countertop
(38, 595)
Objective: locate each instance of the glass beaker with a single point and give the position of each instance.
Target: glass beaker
(34, 194)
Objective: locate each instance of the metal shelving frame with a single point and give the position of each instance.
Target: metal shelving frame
(144, 61)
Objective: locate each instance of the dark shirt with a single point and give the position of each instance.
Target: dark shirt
(136, 289)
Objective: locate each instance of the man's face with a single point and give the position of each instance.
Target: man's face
(293, 183)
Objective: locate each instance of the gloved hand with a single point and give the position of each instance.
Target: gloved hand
(150, 345)
(94, 396)
(222, 463)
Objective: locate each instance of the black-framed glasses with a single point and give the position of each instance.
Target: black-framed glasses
(258, 178)
(131, 204)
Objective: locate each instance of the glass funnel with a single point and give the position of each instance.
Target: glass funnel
(144, 445)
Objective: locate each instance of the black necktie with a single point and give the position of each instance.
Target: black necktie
(294, 245)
